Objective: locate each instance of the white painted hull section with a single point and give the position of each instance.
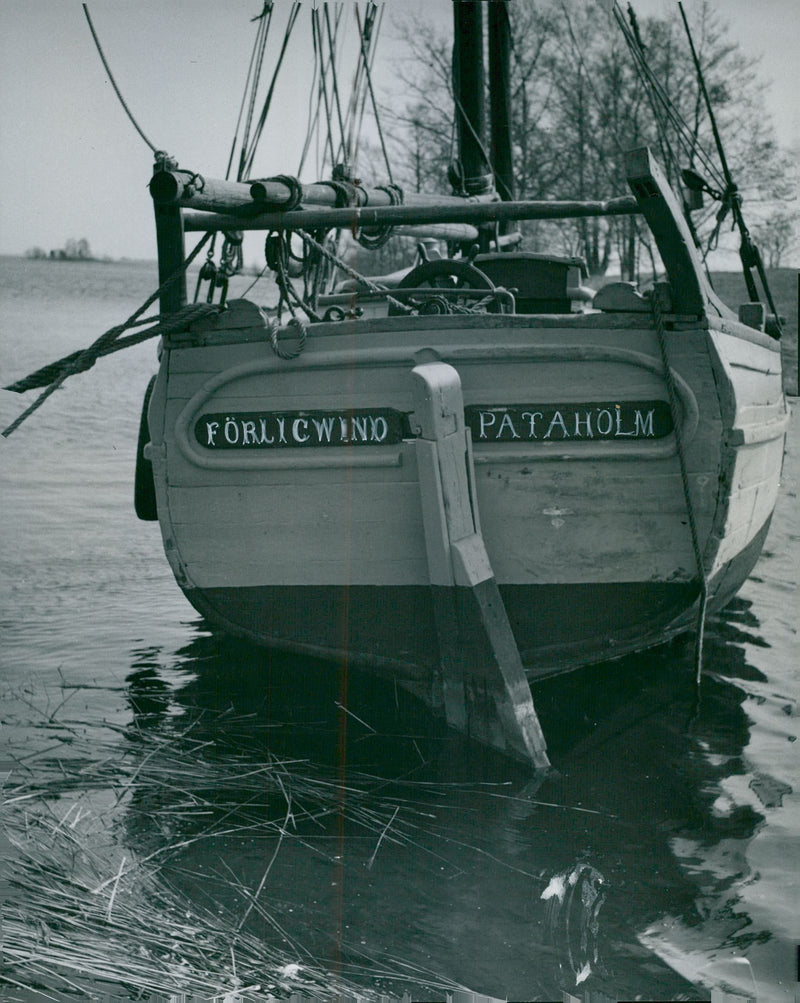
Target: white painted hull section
(573, 512)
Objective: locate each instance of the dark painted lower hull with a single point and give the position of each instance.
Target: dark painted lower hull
(392, 630)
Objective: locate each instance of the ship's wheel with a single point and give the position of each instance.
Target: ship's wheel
(448, 285)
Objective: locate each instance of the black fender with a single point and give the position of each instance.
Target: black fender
(144, 486)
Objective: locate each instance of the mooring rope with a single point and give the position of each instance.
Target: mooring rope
(674, 406)
(83, 359)
(110, 341)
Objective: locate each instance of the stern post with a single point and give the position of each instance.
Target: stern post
(483, 684)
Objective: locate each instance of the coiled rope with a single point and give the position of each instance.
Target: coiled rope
(674, 406)
(53, 375)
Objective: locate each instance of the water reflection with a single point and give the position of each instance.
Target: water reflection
(334, 816)
(149, 695)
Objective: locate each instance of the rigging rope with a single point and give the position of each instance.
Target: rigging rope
(247, 162)
(276, 249)
(79, 361)
(373, 287)
(128, 112)
(373, 45)
(316, 31)
(247, 86)
(368, 76)
(335, 82)
(313, 115)
(357, 93)
(638, 50)
(684, 135)
(261, 43)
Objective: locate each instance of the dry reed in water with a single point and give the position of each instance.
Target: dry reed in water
(94, 822)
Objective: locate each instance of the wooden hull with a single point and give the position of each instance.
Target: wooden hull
(321, 549)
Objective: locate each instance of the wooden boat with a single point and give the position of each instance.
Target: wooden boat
(346, 485)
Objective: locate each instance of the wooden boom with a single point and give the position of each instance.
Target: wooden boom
(366, 216)
(195, 191)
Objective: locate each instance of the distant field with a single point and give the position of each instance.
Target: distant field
(784, 285)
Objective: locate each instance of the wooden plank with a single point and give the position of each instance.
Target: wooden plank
(528, 523)
(203, 571)
(599, 330)
(688, 284)
(350, 545)
(555, 379)
(452, 329)
(219, 503)
(183, 472)
(756, 465)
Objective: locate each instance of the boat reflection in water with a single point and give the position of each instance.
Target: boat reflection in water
(398, 856)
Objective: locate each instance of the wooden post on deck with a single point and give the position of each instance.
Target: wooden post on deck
(484, 688)
(171, 250)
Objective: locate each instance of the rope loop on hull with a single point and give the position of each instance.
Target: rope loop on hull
(273, 325)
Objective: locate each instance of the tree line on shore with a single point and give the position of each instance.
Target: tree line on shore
(578, 104)
(73, 250)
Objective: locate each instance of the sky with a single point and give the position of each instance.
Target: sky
(73, 166)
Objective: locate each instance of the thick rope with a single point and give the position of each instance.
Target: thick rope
(674, 407)
(102, 346)
(83, 359)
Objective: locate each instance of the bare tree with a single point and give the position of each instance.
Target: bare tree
(579, 105)
(777, 234)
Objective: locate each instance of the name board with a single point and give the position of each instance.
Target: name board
(292, 429)
(560, 422)
(617, 420)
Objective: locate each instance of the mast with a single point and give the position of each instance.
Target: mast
(469, 91)
(500, 98)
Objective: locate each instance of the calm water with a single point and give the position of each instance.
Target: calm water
(659, 863)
